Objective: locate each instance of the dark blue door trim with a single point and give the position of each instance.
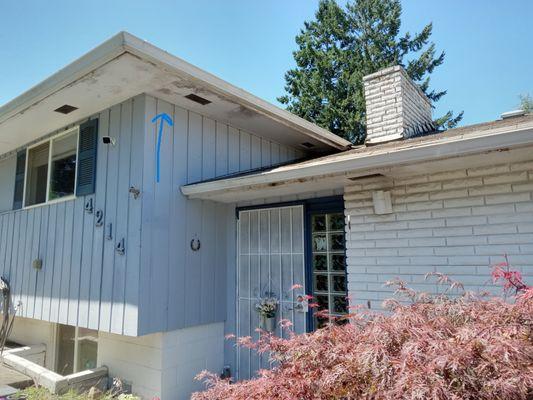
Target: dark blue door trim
(316, 206)
(311, 206)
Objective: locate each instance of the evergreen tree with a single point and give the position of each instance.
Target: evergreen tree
(342, 45)
(526, 103)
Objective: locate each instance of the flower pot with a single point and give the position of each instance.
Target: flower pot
(268, 323)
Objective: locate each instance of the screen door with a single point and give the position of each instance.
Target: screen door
(270, 260)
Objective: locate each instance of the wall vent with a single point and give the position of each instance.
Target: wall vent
(357, 178)
(307, 145)
(197, 99)
(65, 109)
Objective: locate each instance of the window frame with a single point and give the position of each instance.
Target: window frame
(57, 340)
(50, 141)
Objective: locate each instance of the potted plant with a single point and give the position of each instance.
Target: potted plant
(267, 307)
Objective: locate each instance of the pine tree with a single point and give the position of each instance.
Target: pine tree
(526, 103)
(343, 44)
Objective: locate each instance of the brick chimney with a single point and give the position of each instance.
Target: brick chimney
(396, 108)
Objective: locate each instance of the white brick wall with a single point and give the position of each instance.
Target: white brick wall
(188, 352)
(136, 360)
(394, 103)
(28, 332)
(164, 364)
(457, 222)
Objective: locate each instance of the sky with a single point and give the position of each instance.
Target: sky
(488, 43)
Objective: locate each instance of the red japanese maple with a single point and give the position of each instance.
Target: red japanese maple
(465, 346)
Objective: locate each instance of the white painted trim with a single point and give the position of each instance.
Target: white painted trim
(439, 148)
(125, 42)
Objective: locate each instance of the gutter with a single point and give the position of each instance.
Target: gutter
(443, 147)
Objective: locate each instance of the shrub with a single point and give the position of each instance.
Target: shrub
(465, 346)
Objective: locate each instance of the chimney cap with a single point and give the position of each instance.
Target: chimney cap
(382, 72)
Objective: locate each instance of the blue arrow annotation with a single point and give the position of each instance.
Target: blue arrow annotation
(164, 117)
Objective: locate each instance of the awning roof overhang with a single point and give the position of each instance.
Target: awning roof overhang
(125, 66)
(438, 152)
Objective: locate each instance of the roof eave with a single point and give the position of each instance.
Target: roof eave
(445, 148)
(164, 59)
(125, 42)
(87, 63)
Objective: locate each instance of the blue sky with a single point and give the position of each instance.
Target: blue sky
(488, 43)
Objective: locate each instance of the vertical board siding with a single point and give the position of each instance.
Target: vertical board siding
(100, 197)
(163, 284)
(187, 287)
(83, 280)
(111, 221)
(122, 220)
(133, 250)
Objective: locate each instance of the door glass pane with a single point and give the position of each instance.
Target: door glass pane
(320, 243)
(339, 283)
(336, 222)
(319, 223)
(320, 262)
(87, 349)
(37, 174)
(321, 283)
(63, 166)
(336, 242)
(329, 266)
(338, 262)
(65, 351)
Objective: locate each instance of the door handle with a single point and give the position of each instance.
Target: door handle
(301, 305)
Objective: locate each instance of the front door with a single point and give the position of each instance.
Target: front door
(278, 248)
(270, 262)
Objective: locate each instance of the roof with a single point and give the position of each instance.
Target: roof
(473, 139)
(125, 66)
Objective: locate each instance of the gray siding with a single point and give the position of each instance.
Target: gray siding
(7, 182)
(181, 287)
(159, 283)
(83, 281)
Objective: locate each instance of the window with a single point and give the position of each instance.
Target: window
(63, 166)
(37, 176)
(51, 169)
(77, 349)
(328, 262)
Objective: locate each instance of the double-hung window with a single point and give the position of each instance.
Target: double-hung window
(51, 169)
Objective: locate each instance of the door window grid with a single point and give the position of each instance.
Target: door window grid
(329, 265)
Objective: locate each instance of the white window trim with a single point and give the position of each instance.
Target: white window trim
(50, 141)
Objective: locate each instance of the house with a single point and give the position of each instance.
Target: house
(147, 205)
